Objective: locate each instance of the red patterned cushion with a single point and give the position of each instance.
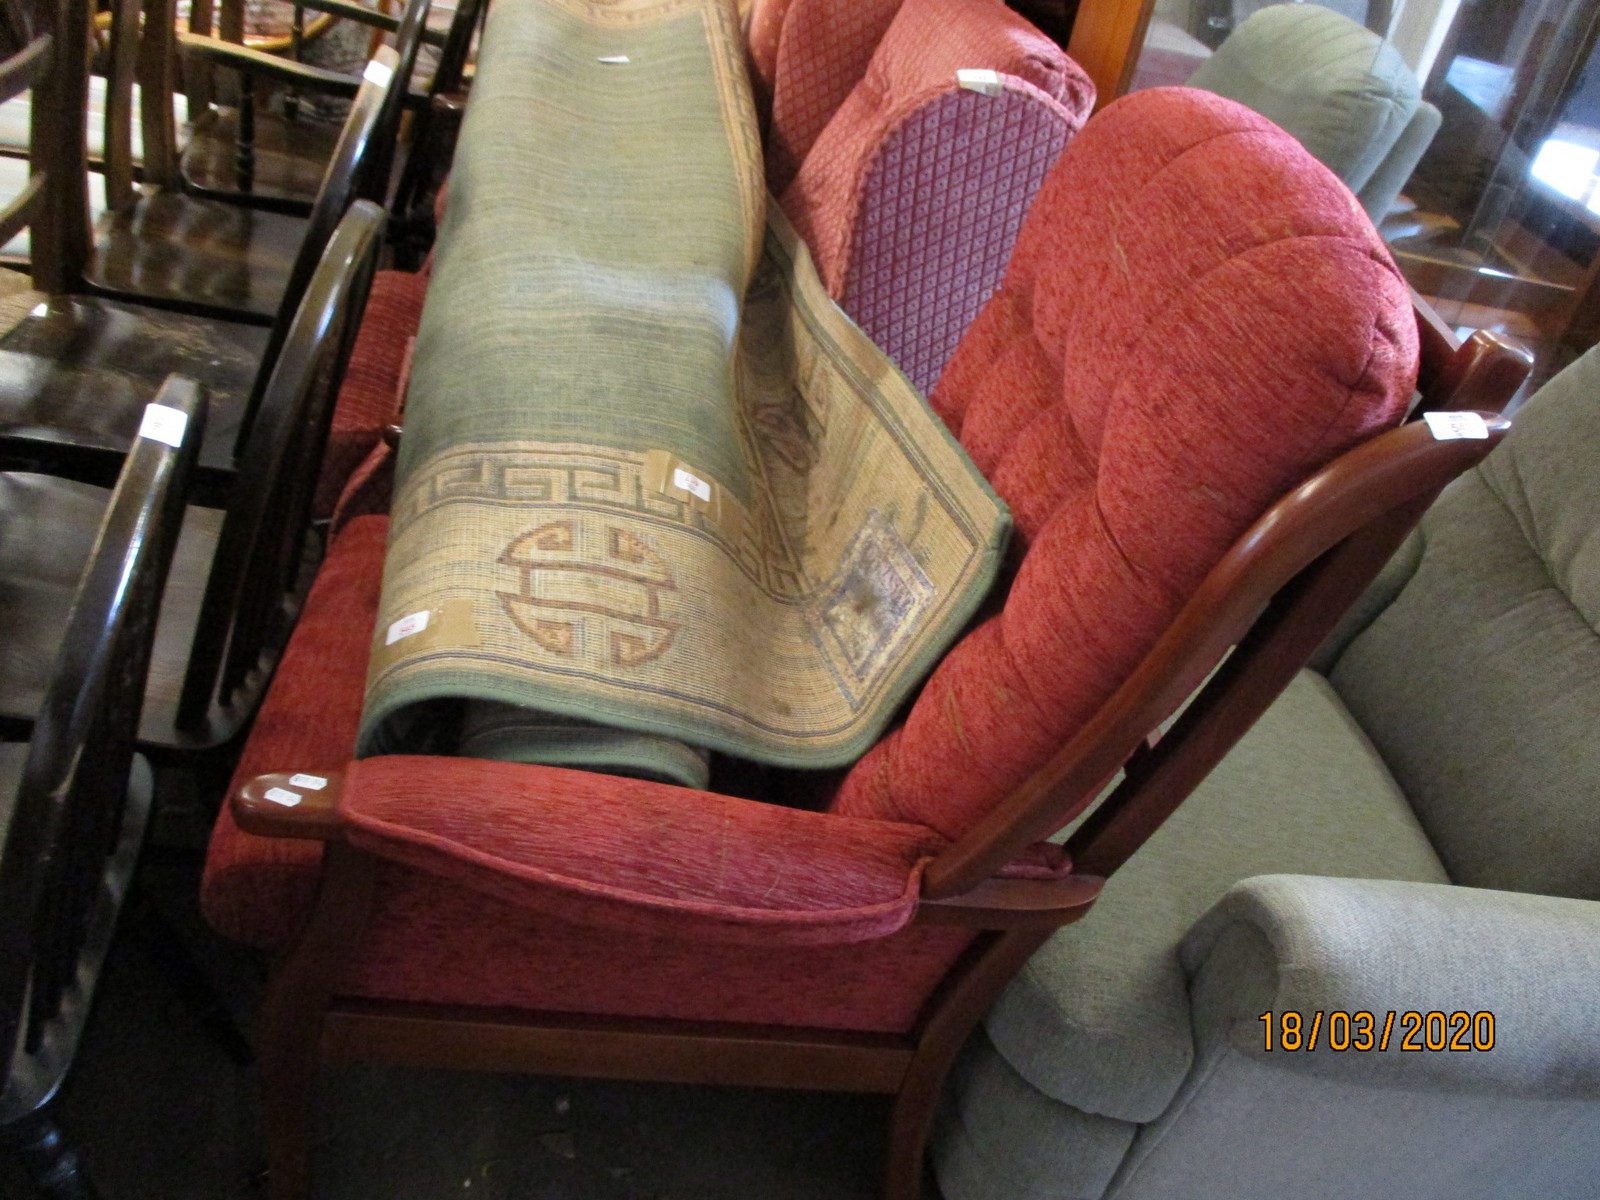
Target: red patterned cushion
(432, 941)
(912, 196)
(632, 854)
(369, 398)
(1197, 315)
(260, 889)
(822, 51)
(762, 31)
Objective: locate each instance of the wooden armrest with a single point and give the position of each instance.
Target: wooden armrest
(1015, 903)
(243, 58)
(371, 17)
(290, 804)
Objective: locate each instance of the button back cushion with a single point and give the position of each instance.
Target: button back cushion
(1197, 315)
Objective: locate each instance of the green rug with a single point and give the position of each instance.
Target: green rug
(635, 518)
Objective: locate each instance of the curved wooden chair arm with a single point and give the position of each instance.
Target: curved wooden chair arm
(1015, 903)
(291, 805)
(243, 58)
(1338, 527)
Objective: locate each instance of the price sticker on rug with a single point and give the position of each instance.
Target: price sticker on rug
(1453, 426)
(283, 796)
(614, 60)
(692, 484)
(407, 626)
(986, 83)
(164, 424)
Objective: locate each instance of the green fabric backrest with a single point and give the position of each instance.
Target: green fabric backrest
(1479, 683)
(1344, 92)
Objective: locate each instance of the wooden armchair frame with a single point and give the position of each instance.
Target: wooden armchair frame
(1270, 601)
(68, 850)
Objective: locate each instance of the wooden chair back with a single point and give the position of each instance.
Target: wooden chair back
(258, 570)
(51, 59)
(75, 830)
(341, 185)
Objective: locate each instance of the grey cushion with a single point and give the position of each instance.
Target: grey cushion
(1345, 93)
(1516, 1121)
(1312, 944)
(1099, 1018)
(1480, 683)
(996, 1138)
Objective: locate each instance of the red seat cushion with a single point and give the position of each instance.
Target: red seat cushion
(1197, 315)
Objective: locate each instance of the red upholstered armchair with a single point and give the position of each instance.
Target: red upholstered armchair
(910, 186)
(1181, 389)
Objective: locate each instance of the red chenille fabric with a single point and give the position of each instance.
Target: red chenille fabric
(822, 51)
(370, 395)
(630, 854)
(912, 197)
(258, 889)
(1197, 315)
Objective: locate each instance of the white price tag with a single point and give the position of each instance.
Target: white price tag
(284, 797)
(692, 484)
(1452, 426)
(312, 783)
(378, 73)
(406, 627)
(613, 60)
(164, 424)
(986, 82)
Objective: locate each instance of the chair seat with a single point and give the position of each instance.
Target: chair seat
(77, 371)
(1099, 1018)
(290, 157)
(207, 256)
(48, 528)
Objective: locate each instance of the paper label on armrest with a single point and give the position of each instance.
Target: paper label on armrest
(312, 783)
(406, 626)
(986, 82)
(283, 796)
(164, 424)
(1452, 426)
(378, 73)
(613, 60)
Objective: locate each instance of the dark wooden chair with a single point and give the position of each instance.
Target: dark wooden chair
(74, 799)
(273, 158)
(79, 366)
(159, 245)
(238, 573)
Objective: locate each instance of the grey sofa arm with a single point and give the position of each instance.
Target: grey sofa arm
(1307, 944)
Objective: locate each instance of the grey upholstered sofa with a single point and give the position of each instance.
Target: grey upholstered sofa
(1342, 90)
(1413, 826)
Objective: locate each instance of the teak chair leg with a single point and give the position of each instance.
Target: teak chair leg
(955, 1013)
(292, 1012)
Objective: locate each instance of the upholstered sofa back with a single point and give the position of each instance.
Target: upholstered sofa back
(1194, 319)
(810, 53)
(912, 196)
(1341, 89)
(1479, 683)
